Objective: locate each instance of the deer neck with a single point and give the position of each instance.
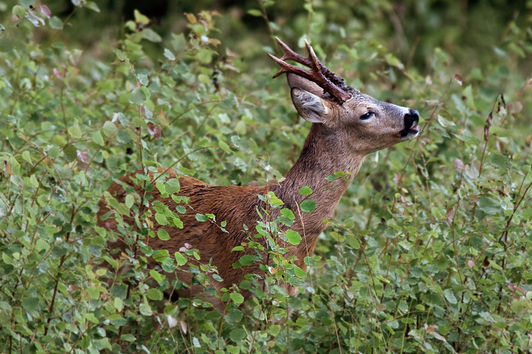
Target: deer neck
(322, 156)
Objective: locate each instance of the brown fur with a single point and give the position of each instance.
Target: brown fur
(338, 142)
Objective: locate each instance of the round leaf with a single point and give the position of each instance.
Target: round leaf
(237, 298)
(293, 237)
(154, 294)
(163, 235)
(181, 260)
(305, 190)
(308, 206)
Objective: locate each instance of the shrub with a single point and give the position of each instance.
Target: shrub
(430, 250)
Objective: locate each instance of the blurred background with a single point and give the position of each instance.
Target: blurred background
(471, 31)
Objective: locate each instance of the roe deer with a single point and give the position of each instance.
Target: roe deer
(347, 125)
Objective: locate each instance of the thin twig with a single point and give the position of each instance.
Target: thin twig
(179, 159)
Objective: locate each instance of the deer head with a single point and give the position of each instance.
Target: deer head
(360, 123)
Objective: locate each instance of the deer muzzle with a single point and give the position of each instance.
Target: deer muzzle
(411, 129)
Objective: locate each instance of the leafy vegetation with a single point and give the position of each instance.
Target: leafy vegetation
(431, 246)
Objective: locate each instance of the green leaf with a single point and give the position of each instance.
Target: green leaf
(109, 128)
(168, 54)
(91, 318)
(128, 337)
(501, 161)
(177, 222)
(468, 94)
(393, 61)
(42, 245)
(33, 181)
(308, 206)
(293, 237)
(489, 205)
(449, 295)
(299, 272)
(55, 23)
(163, 235)
(201, 217)
(161, 255)
(160, 187)
(154, 294)
(30, 303)
(19, 11)
(223, 145)
(121, 55)
(305, 190)
(118, 304)
(121, 208)
(245, 260)
(204, 55)
(178, 43)
(145, 309)
(26, 156)
(255, 12)
(92, 6)
(161, 219)
(172, 186)
(204, 79)
(74, 131)
(335, 176)
(353, 242)
(181, 260)
(159, 278)
(15, 165)
(130, 200)
(140, 18)
(101, 344)
(137, 96)
(70, 152)
(273, 200)
(237, 335)
(237, 298)
(274, 330)
(235, 315)
(151, 35)
(97, 138)
(119, 290)
(93, 291)
(287, 213)
(444, 122)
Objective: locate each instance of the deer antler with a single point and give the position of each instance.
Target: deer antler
(319, 73)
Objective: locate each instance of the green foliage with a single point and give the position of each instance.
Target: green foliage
(431, 246)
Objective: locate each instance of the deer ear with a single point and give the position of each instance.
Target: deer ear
(309, 106)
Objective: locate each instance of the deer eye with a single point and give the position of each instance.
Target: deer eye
(367, 115)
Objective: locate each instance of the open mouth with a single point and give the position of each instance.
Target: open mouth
(409, 133)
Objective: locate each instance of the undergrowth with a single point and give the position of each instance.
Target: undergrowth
(430, 249)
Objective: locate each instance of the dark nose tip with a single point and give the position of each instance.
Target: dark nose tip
(411, 118)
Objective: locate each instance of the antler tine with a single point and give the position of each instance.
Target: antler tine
(315, 75)
(289, 54)
(313, 59)
(317, 67)
(288, 68)
(281, 63)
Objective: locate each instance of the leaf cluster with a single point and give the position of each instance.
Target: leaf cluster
(429, 251)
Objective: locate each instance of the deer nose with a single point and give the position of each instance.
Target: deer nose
(411, 118)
